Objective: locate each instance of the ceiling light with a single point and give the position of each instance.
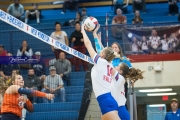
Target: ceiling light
(157, 105)
(161, 94)
(156, 90)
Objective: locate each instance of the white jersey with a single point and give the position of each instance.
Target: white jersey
(154, 40)
(165, 45)
(134, 47)
(118, 90)
(144, 46)
(101, 76)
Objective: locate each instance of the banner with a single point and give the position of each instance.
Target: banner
(151, 40)
(41, 36)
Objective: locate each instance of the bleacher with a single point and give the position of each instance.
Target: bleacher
(11, 38)
(68, 110)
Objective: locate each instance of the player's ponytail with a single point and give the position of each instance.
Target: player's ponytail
(135, 74)
(132, 73)
(109, 54)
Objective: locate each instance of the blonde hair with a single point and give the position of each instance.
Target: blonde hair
(109, 54)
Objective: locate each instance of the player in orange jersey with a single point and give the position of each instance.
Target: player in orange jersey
(14, 100)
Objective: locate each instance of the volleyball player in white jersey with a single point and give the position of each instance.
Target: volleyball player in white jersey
(117, 87)
(102, 78)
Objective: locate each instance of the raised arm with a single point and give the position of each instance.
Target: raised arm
(98, 45)
(87, 42)
(16, 89)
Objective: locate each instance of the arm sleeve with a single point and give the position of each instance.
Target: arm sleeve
(64, 33)
(96, 58)
(119, 78)
(28, 106)
(98, 46)
(29, 53)
(69, 68)
(31, 92)
(19, 53)
(116, 76)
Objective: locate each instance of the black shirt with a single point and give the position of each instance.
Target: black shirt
(136, 22)
(78, 35)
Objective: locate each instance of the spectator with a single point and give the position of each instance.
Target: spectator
(63, 67)
(119, 56)
(73, 21)
(2, 51)
(154, 42)
(14, 72)
(70, 4)
(173, 7)
(135, 46)
(139, 5)
(33, 83)
(137, 18)
(164, 42)
(25, 50)
(52, 62)
(83, 14)
(54, 84)
(33, 14)
(119, 4)
(118, 19)
(144, 45)
(77, 39)
(16, 10)
(174, 114)
(39, 67)
(61, 36)
(173, 42)
(6, 69)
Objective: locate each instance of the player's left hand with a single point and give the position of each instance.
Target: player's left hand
(97, 28)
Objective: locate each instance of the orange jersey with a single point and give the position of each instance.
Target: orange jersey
(11, 104)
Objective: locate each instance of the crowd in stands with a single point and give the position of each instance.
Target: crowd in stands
(155, 44)
(17, 10)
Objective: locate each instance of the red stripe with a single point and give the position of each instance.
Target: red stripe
(117, 77)
(96, 58)
(155, 57)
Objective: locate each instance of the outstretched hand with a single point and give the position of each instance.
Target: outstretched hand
(97, 28)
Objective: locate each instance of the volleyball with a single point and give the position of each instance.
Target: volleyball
(90, 24)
